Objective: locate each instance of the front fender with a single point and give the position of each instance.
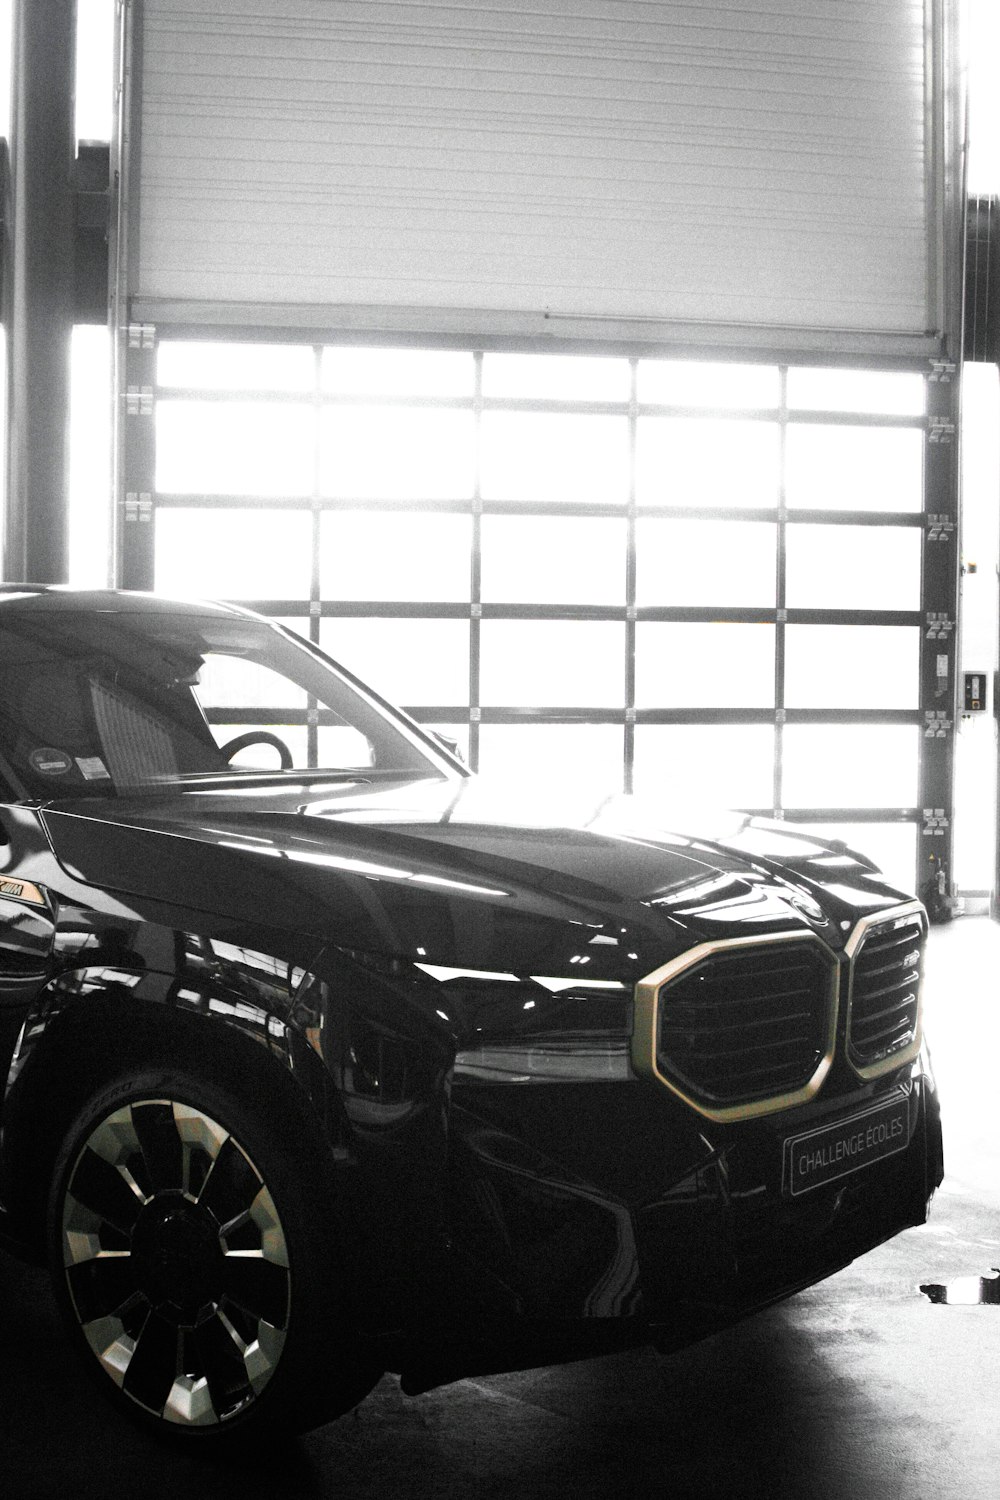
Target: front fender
(311, 1047)
(91, 1025)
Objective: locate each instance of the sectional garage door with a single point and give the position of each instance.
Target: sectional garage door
(547, 161)
(579, 373)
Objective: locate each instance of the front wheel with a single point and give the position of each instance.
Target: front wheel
(196, 1264)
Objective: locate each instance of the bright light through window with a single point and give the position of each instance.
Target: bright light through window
(696, 383)
(707, 461)
(563, 377)
(874, 391)
(584, 758)
(721, 765)
(206, 366)
(397, 372)
(6, 37)
(553, 560)
(90, 457)
(452, 548)
(95, 31)
(983, 51)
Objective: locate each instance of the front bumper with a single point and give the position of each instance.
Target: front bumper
(570, 1216)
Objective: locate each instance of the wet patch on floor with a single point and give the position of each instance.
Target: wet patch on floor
(965, 1291)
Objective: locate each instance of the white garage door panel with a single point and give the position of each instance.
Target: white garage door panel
(717, 163)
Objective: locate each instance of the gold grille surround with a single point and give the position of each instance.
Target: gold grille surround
(853, 945)
(647, 1000)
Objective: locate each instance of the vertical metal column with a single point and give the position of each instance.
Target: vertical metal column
(939, 658)
(138, 457)
(40, 291)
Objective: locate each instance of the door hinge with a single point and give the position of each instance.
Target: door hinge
(138, 507)
(141, 336)
(939, 526)
(937, 724)
(941, 430)
(939, 627)
(935, 822)
(139, 401)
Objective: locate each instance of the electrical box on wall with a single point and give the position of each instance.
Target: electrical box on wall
(974, 691)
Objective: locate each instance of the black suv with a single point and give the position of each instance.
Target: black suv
(323, 1057)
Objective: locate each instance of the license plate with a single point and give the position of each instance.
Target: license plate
(833, 1151)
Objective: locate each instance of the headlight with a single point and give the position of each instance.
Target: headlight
(535, 1028)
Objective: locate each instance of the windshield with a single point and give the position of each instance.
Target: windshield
(105, 703)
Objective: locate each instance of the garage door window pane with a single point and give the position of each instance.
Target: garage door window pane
(853, 567)
(555, 377)
(704, 666)
(551, 560)
(690, 382)
(365, 555)
(850, 765)
(233, 682)
(721, 765)
(893, 847)
(234, 448)
(233, 554)
(552, 663)
(397, 372)
(881, 391)
(544, 456)
(852, 666)
(371, 452)
(705, 562)
(205, 366)
(578, 757)
(854, 468)
(407, 661)
(703, 461)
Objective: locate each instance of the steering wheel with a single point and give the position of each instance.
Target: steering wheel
(258, 737)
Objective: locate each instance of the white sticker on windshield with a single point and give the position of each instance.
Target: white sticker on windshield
(50, 762)
(93, 768)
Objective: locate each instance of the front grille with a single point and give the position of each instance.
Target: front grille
(885, 990)
(746, 1022)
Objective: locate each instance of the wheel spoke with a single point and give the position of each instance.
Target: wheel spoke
(257, 1286)
(101, 1286)
(160, 1143)
(202, 1140)
(99, 1186)
(218, 1358)
(152, 1369)
(189, 1403)
(231, 1186)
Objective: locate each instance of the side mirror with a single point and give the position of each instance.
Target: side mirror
(447, 743)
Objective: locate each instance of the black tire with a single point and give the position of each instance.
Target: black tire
(194, 1257)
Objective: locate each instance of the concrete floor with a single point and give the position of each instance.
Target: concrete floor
(859, 1387)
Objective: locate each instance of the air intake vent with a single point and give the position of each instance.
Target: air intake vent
(885, 992)
(747, 1023)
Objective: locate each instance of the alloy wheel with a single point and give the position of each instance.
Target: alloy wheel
(176, 1262)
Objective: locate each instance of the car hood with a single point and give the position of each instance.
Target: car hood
(467, 873)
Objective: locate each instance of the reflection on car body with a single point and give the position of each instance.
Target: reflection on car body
(324, 1057)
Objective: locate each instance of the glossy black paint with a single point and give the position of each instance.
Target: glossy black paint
(504, 1200)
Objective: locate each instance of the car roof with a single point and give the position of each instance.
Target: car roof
(25, 598)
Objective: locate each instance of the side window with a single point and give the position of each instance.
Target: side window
(241, 698)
